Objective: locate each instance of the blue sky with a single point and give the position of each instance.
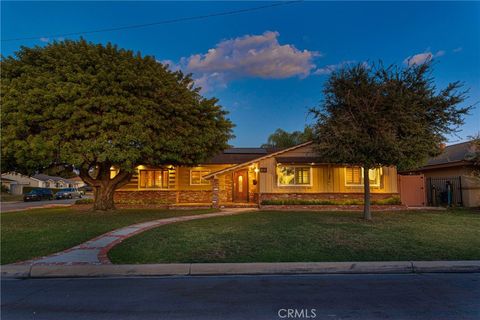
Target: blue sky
(308, 39)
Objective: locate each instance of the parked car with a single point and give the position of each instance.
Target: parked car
(38, 195)
(85, 189)
(68, 193)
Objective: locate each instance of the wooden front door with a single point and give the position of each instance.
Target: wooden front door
(240, 186)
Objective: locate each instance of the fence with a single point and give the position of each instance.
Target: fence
(444, 191)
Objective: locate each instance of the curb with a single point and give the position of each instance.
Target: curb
(208, 269)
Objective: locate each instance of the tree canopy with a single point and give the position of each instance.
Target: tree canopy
(382, 116)
(95, 106)
(283, 139)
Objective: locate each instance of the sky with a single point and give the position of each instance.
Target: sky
(267, 67)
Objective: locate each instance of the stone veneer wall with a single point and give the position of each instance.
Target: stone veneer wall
(158, 196)
(226, 189)
(194, 196)
(164, 196)
(323, 196)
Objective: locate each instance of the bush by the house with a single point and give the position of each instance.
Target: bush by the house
(84, 201)
(386, 201)
(142, 202)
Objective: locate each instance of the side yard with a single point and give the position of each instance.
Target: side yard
(271, 236)
(34, 233)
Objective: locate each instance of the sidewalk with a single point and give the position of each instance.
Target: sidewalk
(209, 269)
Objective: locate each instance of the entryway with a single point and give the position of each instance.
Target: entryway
(240, 186)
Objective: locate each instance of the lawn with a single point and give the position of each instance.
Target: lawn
(309, 236)
(34, 233)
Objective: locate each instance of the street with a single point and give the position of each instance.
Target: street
(14, 206)
(402, 296)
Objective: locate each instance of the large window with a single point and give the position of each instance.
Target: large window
(153, 179)
(354, 176)
(196, 177)
(293, 176)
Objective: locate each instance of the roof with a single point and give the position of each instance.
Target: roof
(299, 160)
(239, 155)
(453, 153)
(246, 163)
(45, 177)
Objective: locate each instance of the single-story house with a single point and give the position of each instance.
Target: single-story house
(39, 181)
(455, 165)
(251, 175)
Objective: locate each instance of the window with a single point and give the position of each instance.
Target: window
(196, 177)
(153, 179)
(293, 176)
(354, 176)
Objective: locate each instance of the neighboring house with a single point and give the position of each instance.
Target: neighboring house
(454, 165)
(55, 182)
(250, 175)
(37, 181)
(77, 182)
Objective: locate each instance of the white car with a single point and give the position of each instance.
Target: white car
(68, 193)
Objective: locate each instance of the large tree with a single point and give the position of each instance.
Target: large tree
(284, 139)
(381, 116)
(94, 107)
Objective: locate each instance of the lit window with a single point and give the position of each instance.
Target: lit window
(354, 176)
(153, 179)
(291, 176)
(196, 177)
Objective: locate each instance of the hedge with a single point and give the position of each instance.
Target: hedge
(386, 201)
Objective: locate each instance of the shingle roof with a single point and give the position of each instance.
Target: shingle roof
(45, 177)
(299, 160)
(453, 153)
(239, 155)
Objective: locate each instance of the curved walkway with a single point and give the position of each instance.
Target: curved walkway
(95, 250)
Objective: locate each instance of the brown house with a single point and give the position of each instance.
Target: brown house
(455, 165)
(250, 175)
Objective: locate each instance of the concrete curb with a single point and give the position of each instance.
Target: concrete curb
(202, 269)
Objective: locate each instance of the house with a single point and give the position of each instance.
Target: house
(251, 175)
(454, 166)
(37, 181)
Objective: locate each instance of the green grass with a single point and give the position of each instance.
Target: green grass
(34, 233)
(309, 236)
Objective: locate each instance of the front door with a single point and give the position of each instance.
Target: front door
(240, 186)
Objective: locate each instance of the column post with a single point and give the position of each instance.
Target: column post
(215, 193)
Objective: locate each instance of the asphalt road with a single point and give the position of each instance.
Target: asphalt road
(13, 206)
(407, 296)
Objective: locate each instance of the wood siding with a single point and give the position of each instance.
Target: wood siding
(327, 178)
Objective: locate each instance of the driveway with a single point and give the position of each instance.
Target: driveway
(330, 297)
(16, 206)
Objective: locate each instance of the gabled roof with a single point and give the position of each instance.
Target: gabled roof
(45, 177)
(239, 155)
(249, 162)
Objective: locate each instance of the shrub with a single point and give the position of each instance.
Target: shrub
(142, 201)
(386, 201)
(84, 201)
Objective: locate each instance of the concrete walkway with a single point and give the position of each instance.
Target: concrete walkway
(94, 251)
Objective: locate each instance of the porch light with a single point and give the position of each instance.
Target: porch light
(256, 170)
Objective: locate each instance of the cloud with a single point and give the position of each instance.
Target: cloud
(423, 57)
(44, 39)
(332, 67)
(260, 56)
(456, 50)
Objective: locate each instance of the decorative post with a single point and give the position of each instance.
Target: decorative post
(215, 193)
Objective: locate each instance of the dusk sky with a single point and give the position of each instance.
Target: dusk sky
(267, 67)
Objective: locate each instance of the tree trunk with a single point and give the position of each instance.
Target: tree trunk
(104, 197)
(366, 195)
(104, 187)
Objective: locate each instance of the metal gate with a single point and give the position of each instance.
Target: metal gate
(444, 191)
